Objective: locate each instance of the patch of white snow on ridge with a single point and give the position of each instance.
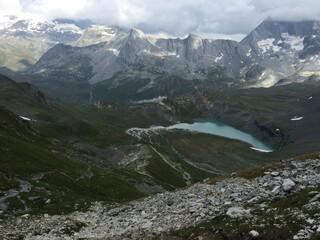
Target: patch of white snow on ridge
(248, 54)
(67, 27)
(171, 54)
(295, 42)
(153, 100)
(295, 118)
(104, 30)
(161, 54)
(219, 58)
(25, 118)
(114, 51)
(139, 132)
(267, 44)
(111, 34)
(308, 73)
(260, 150)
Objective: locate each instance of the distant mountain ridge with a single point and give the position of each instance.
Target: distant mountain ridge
(285, 49)
(109, 59)
(22, 42)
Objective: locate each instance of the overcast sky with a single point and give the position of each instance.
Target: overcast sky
(208, 18)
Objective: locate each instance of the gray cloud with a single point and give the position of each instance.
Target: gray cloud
(177, 17)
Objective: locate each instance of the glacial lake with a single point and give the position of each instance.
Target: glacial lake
(220, 129)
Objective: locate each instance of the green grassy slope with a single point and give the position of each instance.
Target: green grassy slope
(26, 156)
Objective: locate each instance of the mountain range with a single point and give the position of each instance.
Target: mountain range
(107, 63)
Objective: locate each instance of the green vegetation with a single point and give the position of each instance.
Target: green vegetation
(165, 173)
(211, 153)
(27, 156)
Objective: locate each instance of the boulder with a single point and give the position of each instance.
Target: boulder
(254, 233)
(237, 212)
(287, 184)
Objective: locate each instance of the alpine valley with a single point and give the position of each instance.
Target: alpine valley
(89, 147)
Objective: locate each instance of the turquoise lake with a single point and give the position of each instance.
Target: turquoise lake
(220, 129)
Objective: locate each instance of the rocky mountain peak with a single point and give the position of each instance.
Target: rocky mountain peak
(194, 40)
(276, 29)
(98, 33)
(136, 33)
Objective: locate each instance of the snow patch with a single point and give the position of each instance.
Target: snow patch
(153, 100)
(114, 51)
(171, 54)
(295, 42)
(104, 30)
(219, 58)
(25, 118)
(161, 54)
(112, 34)
(139, 132)
(260, 150)
(67, 27)
(267, 44)
(308, 73)
(248, 54)
(295, 118)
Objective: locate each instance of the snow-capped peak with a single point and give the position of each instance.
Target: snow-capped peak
(67, 27)
(7, 21)
(37, 26)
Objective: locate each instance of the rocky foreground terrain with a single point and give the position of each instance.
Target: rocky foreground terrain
(283, 195)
